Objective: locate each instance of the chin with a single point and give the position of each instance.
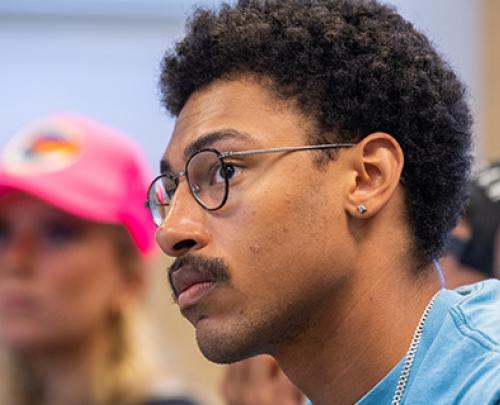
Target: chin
(225, 344)
(28, 336)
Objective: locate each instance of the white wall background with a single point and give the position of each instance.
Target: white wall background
(101, 58)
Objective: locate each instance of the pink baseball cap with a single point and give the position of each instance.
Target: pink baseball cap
(84, 168)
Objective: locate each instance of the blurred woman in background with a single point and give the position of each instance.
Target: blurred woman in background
(74, 236)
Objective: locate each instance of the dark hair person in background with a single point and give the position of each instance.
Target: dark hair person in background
(473, 254)
(318, 163)
(74, 238)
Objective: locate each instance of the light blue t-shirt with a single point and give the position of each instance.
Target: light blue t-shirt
(458, 359)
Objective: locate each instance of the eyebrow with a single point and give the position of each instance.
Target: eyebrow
(206, 141)
(165, 167)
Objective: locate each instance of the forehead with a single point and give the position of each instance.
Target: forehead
(242, 106)
(23, 208)
(17, 201)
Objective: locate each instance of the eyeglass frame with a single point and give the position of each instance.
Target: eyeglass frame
(223, 155)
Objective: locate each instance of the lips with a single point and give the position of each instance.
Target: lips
(186, 277)
(193, 279)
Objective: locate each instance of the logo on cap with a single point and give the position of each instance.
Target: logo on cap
(42, 148)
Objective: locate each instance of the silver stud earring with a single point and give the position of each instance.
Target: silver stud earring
(362, 208)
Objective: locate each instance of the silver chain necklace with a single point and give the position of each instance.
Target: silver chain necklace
(410, 354)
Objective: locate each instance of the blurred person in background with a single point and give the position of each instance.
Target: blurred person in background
(474, 249)
(74, 238)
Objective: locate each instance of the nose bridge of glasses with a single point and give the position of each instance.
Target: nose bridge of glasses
(175, 179)
(177, 176)
(179, 210)
(175, 192)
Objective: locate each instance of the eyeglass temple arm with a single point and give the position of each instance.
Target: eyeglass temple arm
(288, 149)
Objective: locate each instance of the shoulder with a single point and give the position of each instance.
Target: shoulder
(477, 314)
(462, 364)
(459, 361)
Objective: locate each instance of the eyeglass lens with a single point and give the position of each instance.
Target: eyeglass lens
(207, 178)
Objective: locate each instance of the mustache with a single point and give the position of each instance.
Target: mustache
(213, 267)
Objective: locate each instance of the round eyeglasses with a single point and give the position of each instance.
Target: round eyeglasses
(208, 175)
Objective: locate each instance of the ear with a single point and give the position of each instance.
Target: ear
(378, 163)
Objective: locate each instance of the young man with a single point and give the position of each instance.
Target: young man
(318, 162)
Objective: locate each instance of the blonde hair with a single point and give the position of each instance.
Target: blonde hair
(124, 377)
(130, 366)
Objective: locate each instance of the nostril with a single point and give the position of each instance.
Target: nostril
(184, 244)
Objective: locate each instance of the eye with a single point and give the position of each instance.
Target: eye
(227, 170)
(55, 234)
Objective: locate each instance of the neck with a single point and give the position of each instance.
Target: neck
(347, 351)
(65, 374)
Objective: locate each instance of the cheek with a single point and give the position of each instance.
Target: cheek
(72, 297)
(76, 292)
(283, 241)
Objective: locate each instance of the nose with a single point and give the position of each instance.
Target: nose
(183, 230)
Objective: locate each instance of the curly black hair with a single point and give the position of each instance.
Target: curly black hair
(355, 67)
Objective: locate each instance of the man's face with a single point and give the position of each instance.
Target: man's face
(279, 246)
